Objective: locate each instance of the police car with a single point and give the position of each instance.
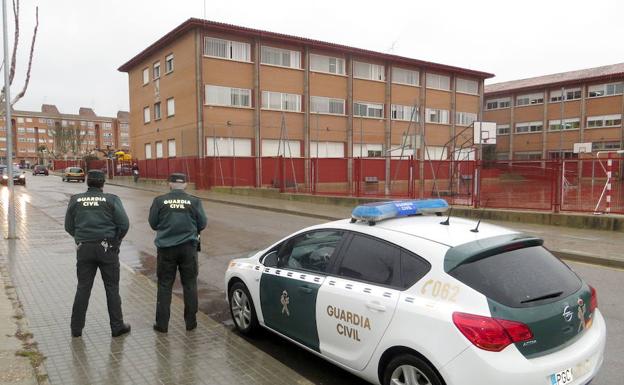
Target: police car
(397, 297)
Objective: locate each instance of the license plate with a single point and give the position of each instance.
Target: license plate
(561, 378)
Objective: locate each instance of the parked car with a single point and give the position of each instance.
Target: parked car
(73, 173)
(40, 170)
(19, 177)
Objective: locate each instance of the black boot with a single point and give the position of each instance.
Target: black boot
(124, 329)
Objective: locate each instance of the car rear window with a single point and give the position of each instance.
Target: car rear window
(518, 278)
(76, 170)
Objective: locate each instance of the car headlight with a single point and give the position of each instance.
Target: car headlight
(22, 176)
(5, 177)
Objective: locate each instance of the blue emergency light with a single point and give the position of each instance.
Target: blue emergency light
(378, 211)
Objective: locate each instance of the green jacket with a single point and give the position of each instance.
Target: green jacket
(94, 216)
(177, 217)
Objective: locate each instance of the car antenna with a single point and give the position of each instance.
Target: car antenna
(446, 222)
(476, 229)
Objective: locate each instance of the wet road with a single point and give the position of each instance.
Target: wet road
(235, 231)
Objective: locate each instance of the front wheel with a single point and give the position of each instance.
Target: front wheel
(407, 369)
(242, 309)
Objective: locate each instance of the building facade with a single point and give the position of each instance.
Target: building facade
(40, 136)
(529, 113)
(212, 89)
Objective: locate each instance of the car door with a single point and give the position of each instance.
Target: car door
(289, 290)
(356, 304)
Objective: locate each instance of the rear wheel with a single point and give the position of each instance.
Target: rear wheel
(407, 369)
(242, 309)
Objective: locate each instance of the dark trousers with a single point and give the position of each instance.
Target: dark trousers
(90, 257)
(184, 258)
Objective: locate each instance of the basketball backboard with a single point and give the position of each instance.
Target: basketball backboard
(484, 133)
(580, 148)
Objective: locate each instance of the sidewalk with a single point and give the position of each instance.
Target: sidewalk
(568, 243)
(41, 264)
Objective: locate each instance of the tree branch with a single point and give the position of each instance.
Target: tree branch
(30, 58)
(15, 41)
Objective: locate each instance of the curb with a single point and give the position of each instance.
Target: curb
(575, 257)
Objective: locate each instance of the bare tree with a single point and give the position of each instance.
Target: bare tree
(67, 140)
(12, 64)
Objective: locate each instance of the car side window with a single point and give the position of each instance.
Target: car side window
(413, 268)
(371, 260)
(310, 251)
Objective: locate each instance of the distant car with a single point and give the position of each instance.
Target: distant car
(40, 170)
(19, 177)
(73, 173)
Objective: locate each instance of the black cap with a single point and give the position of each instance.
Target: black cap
(177, 177)
(96, 175)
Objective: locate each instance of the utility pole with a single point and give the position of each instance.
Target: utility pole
(8, 125)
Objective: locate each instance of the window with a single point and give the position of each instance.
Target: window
(568, 124)
(323, 105)
(280, 57)
(569, 94)
(28, 120)
(327, 149)
(42, 130)
(148, 151)
(407, 113)
(600, 146)
(529, 127)
(436, 116)
(525, 100)
(439, 82)
(228, 147)
(513, 278)
(286, 148)
(403, 76)
(368, 150)
(493, 104)
(146, 114)
(170, 107)
(169, 63)
(502, 129)
(227, 49)
(159, 150)
(604, 121)
(310, 251)
(30, 130)
(171, 148)
(370, 110)
(281, 101)
(605, 89)
(368, 71)
(226, 96)
(329, 64)
(465, 118)
(157, 114)
(413, 268)
(371, 260)
(467, 86)
(156, 70)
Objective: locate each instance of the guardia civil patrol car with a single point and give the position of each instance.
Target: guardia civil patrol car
(397, 297)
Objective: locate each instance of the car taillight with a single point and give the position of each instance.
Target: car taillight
(593, 303)
(490, 333)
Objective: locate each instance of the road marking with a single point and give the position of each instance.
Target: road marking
(595, 265)
(583, 238)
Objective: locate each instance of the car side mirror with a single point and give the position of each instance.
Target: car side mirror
(270, 260)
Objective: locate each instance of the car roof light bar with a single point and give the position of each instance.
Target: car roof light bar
(379, 211)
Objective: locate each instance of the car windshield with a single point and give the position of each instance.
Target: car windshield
(75, 170)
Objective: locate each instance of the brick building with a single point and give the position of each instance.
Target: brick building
(210, 89)
(529, 113)
(48, 134)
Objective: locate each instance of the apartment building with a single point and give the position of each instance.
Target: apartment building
(50, 134)
(212, 89)
(543, 117)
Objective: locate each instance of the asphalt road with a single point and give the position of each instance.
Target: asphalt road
(235, 231)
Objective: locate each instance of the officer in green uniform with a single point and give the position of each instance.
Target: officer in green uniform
(178, 218)
(98, 223)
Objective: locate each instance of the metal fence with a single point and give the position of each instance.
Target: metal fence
(586, 185)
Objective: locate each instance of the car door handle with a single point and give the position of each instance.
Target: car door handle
(376, 306)
(306, 289)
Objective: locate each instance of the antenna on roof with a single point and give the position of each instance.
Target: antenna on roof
(446, 222)
(476, 229)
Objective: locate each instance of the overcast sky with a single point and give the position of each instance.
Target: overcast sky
(82, 43)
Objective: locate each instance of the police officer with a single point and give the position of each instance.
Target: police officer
(98, 223)
(178, 218)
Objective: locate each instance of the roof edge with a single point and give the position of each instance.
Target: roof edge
(551, 84)
(198, 23)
